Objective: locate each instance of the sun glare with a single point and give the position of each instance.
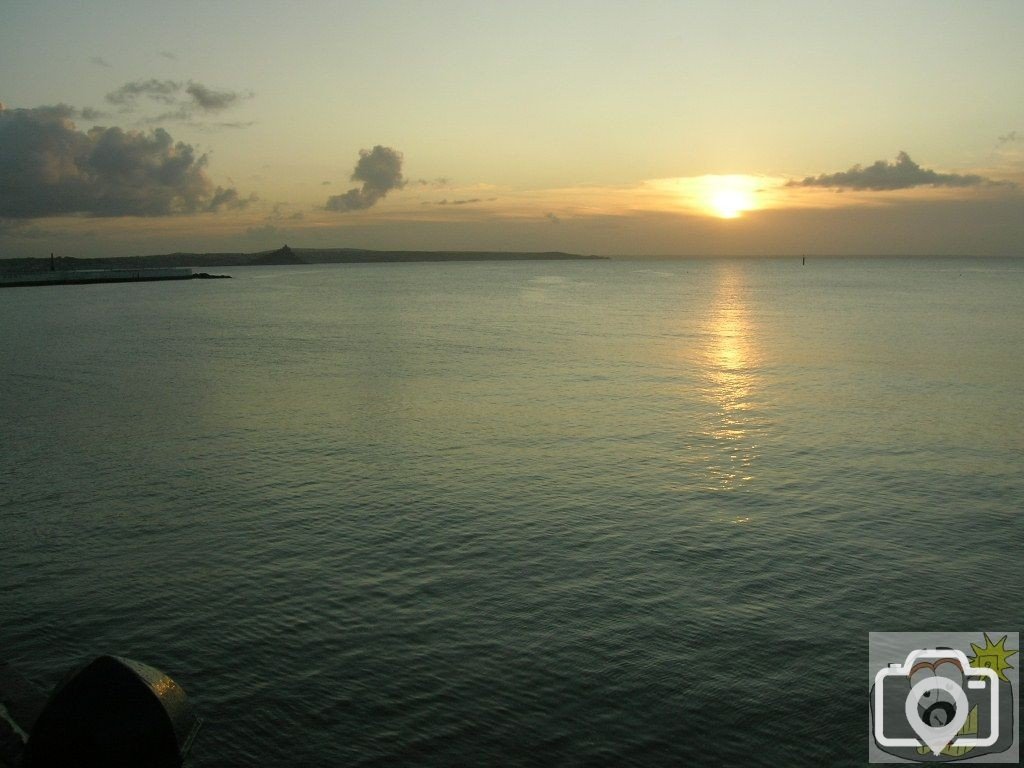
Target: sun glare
(727, 197)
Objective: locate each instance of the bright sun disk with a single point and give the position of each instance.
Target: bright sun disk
(729, 196)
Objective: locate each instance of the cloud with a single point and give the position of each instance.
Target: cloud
(881, 175)
(467, 201)
(48, 167)
(129, 94)
(380, 170)
(181, 114)
(186, 99)
(205, 125)
(228, 198)
(99, 61)
(277, 213)
(1010, 137)
(210, 100)
(64, 112)
(552, 218)
(352, 200)
(169, 55)
(270, 226)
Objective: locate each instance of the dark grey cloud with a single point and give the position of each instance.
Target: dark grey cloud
(380, 170)
(1010, 137)
(99, 61)
(129, 94)
(185, 99)
(169, 55)
(881, 175)
(210, 100)
(353, 200)
(233, 124)
(553, 218)
(440, 181)
(48, 167)
(56, 111)
(228, 198)
(64, 112)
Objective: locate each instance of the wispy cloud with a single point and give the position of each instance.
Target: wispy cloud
(207, 125)
(380, 170)
(269, 226)
(279, 213)
(99, 61)
(1011, 137)
(188, 100)
(465, 201)
(882, 175)
(129, 94)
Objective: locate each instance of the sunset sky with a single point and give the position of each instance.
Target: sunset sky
(608, 128)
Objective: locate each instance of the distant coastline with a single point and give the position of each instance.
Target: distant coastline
(281, 257)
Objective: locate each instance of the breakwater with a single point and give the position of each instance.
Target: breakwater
(87, 276)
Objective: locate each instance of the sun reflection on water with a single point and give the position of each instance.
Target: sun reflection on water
(730, 364)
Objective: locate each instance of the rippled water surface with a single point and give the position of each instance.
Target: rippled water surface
(576, 513)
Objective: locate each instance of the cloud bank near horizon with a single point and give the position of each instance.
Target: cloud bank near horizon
(882, 176)
(48, 167)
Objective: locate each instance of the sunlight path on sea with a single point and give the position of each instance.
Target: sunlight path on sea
(731, 382)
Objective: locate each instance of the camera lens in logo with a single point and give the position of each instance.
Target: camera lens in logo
(937, 707)
(936, 736)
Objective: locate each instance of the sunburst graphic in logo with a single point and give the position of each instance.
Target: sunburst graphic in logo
(993, 656)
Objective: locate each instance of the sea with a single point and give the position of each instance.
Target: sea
(566, 513)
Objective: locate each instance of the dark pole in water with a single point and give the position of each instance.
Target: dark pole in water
(52, 268)
(803, 261)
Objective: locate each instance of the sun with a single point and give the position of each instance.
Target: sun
(993, 655)
(727, 197)
(730, 203)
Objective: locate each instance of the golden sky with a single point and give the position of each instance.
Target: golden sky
(654, 128)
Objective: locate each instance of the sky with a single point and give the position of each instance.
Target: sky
(647, 128)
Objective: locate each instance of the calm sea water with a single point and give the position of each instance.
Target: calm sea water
(613, 513)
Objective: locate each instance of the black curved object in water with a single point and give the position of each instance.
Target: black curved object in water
(115, 713)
